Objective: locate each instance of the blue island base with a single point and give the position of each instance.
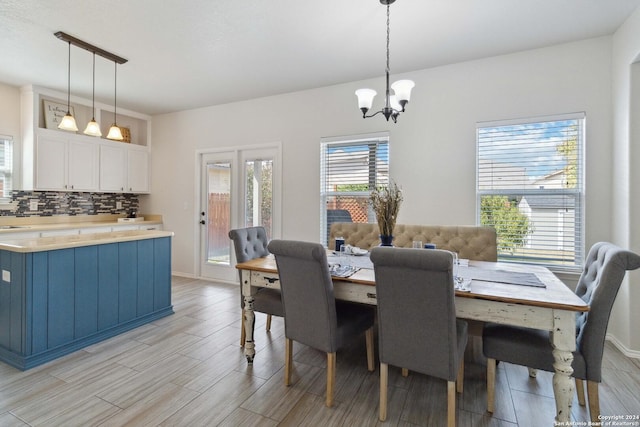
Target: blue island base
(55, 302)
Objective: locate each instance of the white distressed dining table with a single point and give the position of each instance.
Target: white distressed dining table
(552, 307)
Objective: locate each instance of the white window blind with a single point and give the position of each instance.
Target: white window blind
(350, 168)
(6, 167)
(530, 188)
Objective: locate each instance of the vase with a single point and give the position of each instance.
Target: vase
(385, 240)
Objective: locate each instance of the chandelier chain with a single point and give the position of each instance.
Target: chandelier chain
(388, 69)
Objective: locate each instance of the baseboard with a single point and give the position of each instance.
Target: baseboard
(208, 279)
(623, 349)
(185, 275)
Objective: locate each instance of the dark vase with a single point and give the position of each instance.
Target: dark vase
(386, 240)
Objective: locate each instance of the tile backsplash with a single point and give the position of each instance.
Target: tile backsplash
(52, 203)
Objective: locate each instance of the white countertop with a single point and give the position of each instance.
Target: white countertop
(77, 240)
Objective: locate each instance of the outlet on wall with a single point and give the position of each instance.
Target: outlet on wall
(33, 205)
(118, 205)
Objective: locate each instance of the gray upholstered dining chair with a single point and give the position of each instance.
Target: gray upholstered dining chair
(417, 325)
(604, 269)
(312, 316)
(251, 243)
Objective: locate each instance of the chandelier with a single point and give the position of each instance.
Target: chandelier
(394, 104)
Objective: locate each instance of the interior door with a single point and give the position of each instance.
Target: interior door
(239, 188)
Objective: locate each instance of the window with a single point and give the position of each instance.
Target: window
(530, 188)
(6, 168)
(350, 168)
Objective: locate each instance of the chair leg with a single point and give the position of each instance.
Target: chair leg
(268, 322)
(243, 333)
(384, 382)
(580, 391)
(405, 372)
(369, 339)
(460, 379)
(331, 378)
(288, 360)
(594, 401)
(451, 403)
(491, 384)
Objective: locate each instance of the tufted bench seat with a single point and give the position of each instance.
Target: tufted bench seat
(470, 242)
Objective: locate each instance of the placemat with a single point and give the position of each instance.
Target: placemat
(501, 276)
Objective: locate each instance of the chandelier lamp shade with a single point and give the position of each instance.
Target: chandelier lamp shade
(114, 131)
(394, 104)
(93, 128)
(68, 122)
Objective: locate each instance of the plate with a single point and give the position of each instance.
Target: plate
(358, 251)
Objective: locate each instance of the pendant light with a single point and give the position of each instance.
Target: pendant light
(68, 122)
(394, 104)
(93, 128)
(114, 131)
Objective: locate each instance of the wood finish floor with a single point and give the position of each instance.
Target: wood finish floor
(189, 370)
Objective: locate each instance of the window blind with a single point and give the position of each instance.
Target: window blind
(530, 188)
(350, 168)
(6, 167)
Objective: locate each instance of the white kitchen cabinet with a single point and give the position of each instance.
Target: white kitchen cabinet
(62, 232)
(19, 235)
(113, 172)
(138, 171)
(151, 227)
(65, 164)
(55, 160)
(124, 168)
(93, 230)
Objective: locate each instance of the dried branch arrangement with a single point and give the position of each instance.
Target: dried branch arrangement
(386, 203)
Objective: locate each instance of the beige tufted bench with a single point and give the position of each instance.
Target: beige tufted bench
(470, 242)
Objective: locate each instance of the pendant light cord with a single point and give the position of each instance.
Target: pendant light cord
(93, 98)
(115, 91)
(69, 81)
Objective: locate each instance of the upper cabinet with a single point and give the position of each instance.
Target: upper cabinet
(124, 169)
(59, 160)
(65, 164)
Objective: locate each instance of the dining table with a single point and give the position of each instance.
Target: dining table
(515, 294)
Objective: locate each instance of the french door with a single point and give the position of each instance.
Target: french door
(239, 188)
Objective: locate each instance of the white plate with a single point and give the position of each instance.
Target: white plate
(358, 251)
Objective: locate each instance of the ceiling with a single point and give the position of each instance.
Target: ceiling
(185, 54)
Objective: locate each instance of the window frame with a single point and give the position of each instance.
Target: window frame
(577, 193)
(377, 180)
(7, 170)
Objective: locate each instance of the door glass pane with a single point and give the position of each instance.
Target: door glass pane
(219, 212)
(259, 194)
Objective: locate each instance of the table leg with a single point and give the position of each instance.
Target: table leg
(564, 342)
(249, 315)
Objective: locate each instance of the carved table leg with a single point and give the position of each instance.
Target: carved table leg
(249, 323)
(564, 342)
(249, 315)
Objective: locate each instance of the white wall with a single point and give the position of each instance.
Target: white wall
(432, 145)
(10, 111)
(626, 177)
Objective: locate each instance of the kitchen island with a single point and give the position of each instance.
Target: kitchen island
(59, 294)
